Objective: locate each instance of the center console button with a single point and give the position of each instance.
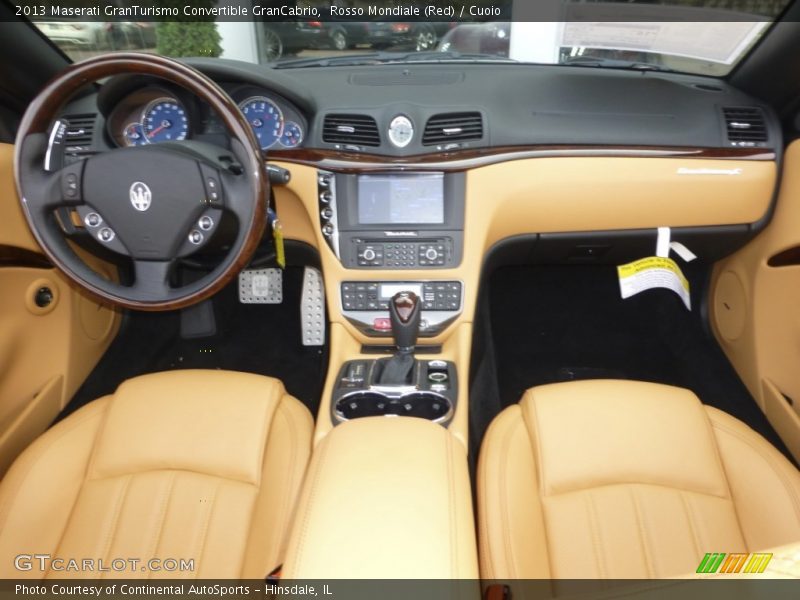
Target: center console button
(382, 324)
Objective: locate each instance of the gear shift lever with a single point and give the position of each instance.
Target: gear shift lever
(404, 315)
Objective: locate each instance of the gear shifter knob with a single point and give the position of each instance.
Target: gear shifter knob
(404, 315)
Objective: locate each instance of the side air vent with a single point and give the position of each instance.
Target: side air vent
(453, 127)
(356, 130)
(78, 137)
(746, 126)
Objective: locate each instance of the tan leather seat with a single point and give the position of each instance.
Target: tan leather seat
(619, 479)
(194, 465)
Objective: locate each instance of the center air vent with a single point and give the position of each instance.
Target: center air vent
(78, 137)
(358, 130)
(453, 127)
(746, 126)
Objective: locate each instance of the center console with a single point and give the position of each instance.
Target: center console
(393, 221)
(378, 224)
(430, 394)
(400, 385)
(386, 499)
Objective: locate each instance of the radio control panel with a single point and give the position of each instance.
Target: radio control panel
(404, 255)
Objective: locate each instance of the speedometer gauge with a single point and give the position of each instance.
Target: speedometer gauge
(165, 120)
(292, 135)
(265, 118)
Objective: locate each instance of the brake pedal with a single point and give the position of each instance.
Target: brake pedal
(312, 308)
(261, 286)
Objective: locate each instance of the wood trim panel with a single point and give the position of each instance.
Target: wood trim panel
(464, 160)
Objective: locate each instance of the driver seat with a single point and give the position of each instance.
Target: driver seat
(194, 465)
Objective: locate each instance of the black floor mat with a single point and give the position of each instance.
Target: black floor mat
(254, 338)
(553, 324)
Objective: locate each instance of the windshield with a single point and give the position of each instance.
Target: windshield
(707, 37)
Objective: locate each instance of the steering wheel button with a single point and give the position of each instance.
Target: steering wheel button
(196, 237)
(105, 235)
(205, 223)
(212, 185)
(71, 182)
(93, 219)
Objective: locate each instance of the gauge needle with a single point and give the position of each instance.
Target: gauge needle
(156, 130)
(164, 125)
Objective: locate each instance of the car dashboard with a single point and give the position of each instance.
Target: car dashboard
(426, 177)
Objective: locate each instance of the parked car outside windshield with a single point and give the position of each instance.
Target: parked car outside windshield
(706, 41)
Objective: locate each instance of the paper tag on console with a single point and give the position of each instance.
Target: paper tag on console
(651, 273)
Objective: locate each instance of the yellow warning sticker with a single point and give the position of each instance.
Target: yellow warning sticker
(651, 273)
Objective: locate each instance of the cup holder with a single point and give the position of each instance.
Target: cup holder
(422, 404)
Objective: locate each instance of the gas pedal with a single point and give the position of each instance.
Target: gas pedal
(312, 308)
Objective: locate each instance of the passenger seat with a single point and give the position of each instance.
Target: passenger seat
(620, 479)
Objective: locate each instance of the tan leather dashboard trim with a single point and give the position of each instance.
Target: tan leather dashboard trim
(14, 231)
(535, 195)
(552, 195)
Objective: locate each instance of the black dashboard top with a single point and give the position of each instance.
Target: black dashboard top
(451, 107)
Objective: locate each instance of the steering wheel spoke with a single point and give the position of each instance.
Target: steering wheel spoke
(45, 190)
(235, 195)
(152, 278)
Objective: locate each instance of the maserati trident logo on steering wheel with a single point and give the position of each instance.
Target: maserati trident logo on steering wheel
(140, 195)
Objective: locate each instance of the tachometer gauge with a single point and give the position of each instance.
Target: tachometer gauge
(265, 118)
(165, 120)
(134, 135)
(292, 135)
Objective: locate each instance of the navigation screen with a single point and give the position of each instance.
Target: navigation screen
(401, 199)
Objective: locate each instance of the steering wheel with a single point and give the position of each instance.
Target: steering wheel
(153, 203)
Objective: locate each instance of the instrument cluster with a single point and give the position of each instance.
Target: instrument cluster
(152, 115)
